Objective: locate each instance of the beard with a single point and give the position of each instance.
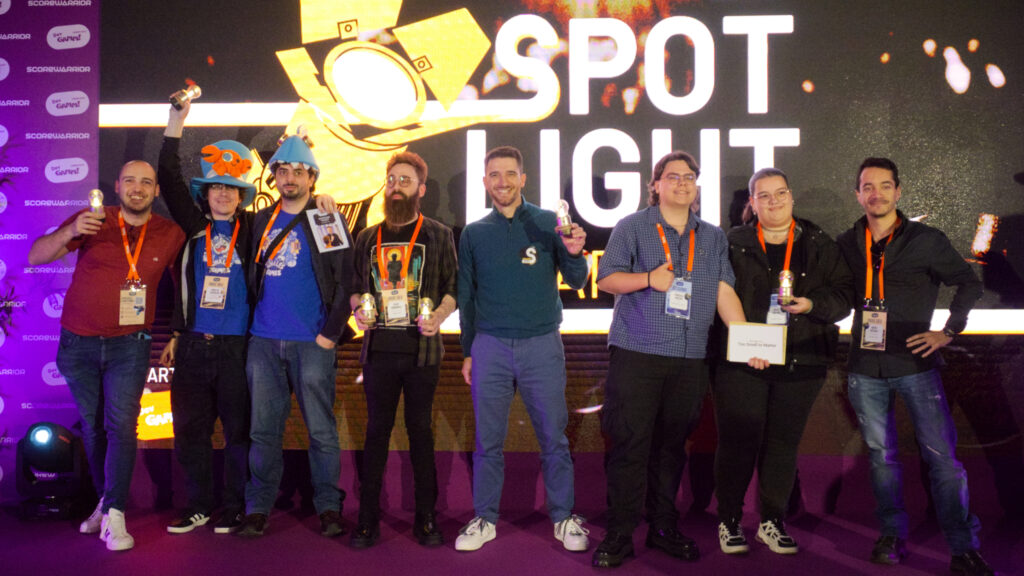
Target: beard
(400, 211)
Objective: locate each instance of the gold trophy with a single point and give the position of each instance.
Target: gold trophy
(426, 308)
(186, 94)
(368, 304)
(96, 203)
(785, 288)
(563, 219)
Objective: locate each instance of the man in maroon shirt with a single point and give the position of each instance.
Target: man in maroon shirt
(104, 341)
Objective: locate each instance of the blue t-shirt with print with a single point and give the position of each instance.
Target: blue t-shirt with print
(233, 319)
(291, 308)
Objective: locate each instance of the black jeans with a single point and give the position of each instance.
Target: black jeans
(651, 405)
(209, 381)
(761, 418)
(386, 377)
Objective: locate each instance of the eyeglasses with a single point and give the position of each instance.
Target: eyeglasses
(401, 180)
(675, 179)
(780, 195)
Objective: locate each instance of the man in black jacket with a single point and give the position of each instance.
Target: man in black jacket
(898, 265)
(301, 306)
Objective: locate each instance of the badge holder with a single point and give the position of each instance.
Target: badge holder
(677, 299)
(776, 315)
(215, 292)
(132, 309)
(396, 307)
(873, 328)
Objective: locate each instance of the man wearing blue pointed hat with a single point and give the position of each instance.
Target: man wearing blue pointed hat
(210, 321)
(298, 285)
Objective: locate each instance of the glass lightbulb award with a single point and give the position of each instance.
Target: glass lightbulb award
(368, 304)
(786, 279)
(563, 219)
(186, 94)
(426, 308)
(96, 203)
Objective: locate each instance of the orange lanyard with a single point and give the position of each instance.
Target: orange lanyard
(133, 271)
(266, 231)
(668, 254)
(881, 265)
(231, 247)
(789, 242)
(382, 266)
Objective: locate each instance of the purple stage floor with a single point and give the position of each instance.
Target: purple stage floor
(835, 530)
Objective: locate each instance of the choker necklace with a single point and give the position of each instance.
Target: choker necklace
(776, 230)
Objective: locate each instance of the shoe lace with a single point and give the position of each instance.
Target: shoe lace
(574, 525)
(774, 529)
(475, 526)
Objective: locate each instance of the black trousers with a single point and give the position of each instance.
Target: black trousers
(209, 381)
(386, 377)
(761, 419)
(651, 405)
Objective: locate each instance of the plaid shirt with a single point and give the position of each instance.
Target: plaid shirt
(639, 322)
(439, 279)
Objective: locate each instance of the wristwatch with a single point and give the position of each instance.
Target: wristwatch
(949, 332)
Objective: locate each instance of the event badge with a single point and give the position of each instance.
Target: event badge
(776, 315)
(215, 292)
(132, 310)
(873, 329)
(396, 307)
(677, 299)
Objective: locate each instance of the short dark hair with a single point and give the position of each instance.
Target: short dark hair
(659, 169)
(204, 199)
(412, 159)
(884, 163)
(505, 152)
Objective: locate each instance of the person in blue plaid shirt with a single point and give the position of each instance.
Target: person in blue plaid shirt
(670, 274)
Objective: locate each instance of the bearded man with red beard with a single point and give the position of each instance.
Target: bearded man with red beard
(407, 267)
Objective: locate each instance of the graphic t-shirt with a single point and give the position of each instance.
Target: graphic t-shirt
(233, 319)
(291, 308)
(403, 338)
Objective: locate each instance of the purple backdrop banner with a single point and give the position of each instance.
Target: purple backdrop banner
(49, 99)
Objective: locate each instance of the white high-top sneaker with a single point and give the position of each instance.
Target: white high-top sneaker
(114, 532)
(91, 525)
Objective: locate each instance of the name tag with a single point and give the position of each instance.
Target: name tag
(776, 315)
(215, 292)
(872, 335)
(677, 299)
(396, 307)
(132, 309)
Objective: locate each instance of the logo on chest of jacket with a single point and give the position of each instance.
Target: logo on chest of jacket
(528, 255)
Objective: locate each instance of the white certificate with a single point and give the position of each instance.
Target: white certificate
(749, 340)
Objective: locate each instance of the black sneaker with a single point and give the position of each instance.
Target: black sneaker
(672, 542)
(331, 524)
(889, 550)
(613, 550)
(188, 522)
(230, 521)
(426, 531)
(972, 564)
(731, 538)
(365, 536)
(253, 525)
(773, 534)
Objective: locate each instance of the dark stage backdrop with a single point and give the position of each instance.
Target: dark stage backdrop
(593, 93)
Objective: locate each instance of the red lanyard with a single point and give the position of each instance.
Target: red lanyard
(668, 254)
(789, 242)
(266, 231)
(133, 271)
(231, 247)
(881, 265)
(382, 266)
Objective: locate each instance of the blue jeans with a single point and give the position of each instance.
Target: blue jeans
(272, 366)
(922, 393)
(536, 366)
(106, 377)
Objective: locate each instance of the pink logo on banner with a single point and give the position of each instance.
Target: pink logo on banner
(3, 135)
(5, 68)
(66, 170)
(52, 376)
(53, 305)
(67, 37)
(5, 5)
(67, 103)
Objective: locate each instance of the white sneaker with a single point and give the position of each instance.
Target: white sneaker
(571, 533)
(91, 525)
(114, 532)
(731, 538)
(475, 534)
(773, 533)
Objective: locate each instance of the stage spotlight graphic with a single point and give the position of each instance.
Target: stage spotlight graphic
(50, 470)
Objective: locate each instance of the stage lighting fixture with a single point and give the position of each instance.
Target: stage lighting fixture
(50, 470)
